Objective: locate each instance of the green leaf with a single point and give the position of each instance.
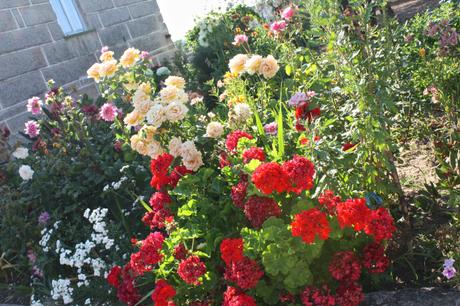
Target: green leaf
(280, 133)
(288, 69)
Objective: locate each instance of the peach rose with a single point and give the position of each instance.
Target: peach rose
(269, 67)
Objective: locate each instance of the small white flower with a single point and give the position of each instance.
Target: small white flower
(21, 153)
(26, 172)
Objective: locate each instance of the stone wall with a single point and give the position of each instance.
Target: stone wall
(34, 49)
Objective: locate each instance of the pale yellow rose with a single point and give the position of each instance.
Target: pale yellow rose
(175, 146)
(139, 145)
(269, 67)
(106, 56)
(175, 81)
(236, 64)
(253, 64)
(214, 129)
(94, 72)
(175, 111)
(168, 94)
(146, 88)
(142, 106)
(108, 68)
(129, 57)
(133, 118)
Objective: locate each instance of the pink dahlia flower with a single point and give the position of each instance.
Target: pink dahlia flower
(32, 128)
(108, 112)
(34, 105)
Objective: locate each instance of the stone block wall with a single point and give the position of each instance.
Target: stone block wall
(33, 47)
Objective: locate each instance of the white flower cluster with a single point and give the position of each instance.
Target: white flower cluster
(206, 27)
(62, 289)
(46, 235)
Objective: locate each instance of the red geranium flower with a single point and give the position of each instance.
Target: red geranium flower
(149, 253)
(231, 250)
(270, 177)
(126, 290)
(312, 296)
(345, 266)
(300, 172)
(258, 209)
(232, 139)
(253, 153)
(353, 212)
(234, 297)
(349, 294)
(176, 174)
(245, 273)
(380, 224)
(310, 224)
(113, 276)
(374, 259)
(163, 294)
(191, 269)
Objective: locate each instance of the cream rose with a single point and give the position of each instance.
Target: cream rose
(106, 56)
(253, 64)
(237, 63)
(21, 153)
(175, 146)
(214, 129)
(156, 115)
(175, 81)
(269, 67)
(26, 172)
(191, 157)
(139, 145)
(175, 111)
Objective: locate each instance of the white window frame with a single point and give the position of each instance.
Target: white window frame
(68, 16)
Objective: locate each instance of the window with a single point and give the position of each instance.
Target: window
(68, 17)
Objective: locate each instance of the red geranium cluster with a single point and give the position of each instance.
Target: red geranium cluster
(253, 153)
(270, 177)
(313, 296)
(245, 273)
(163, 294)
(149, 253)
(191, 269)
(310, 224)
(160, 212)
(300, 172)
(235, 297)
(355, 213)
(349, 294)
(240, 270)
(123, 280)
(374, 259)
(160, 172)
(345, 266)
(231, 249)
(295, 175)
(258, 209)
(232, 139)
